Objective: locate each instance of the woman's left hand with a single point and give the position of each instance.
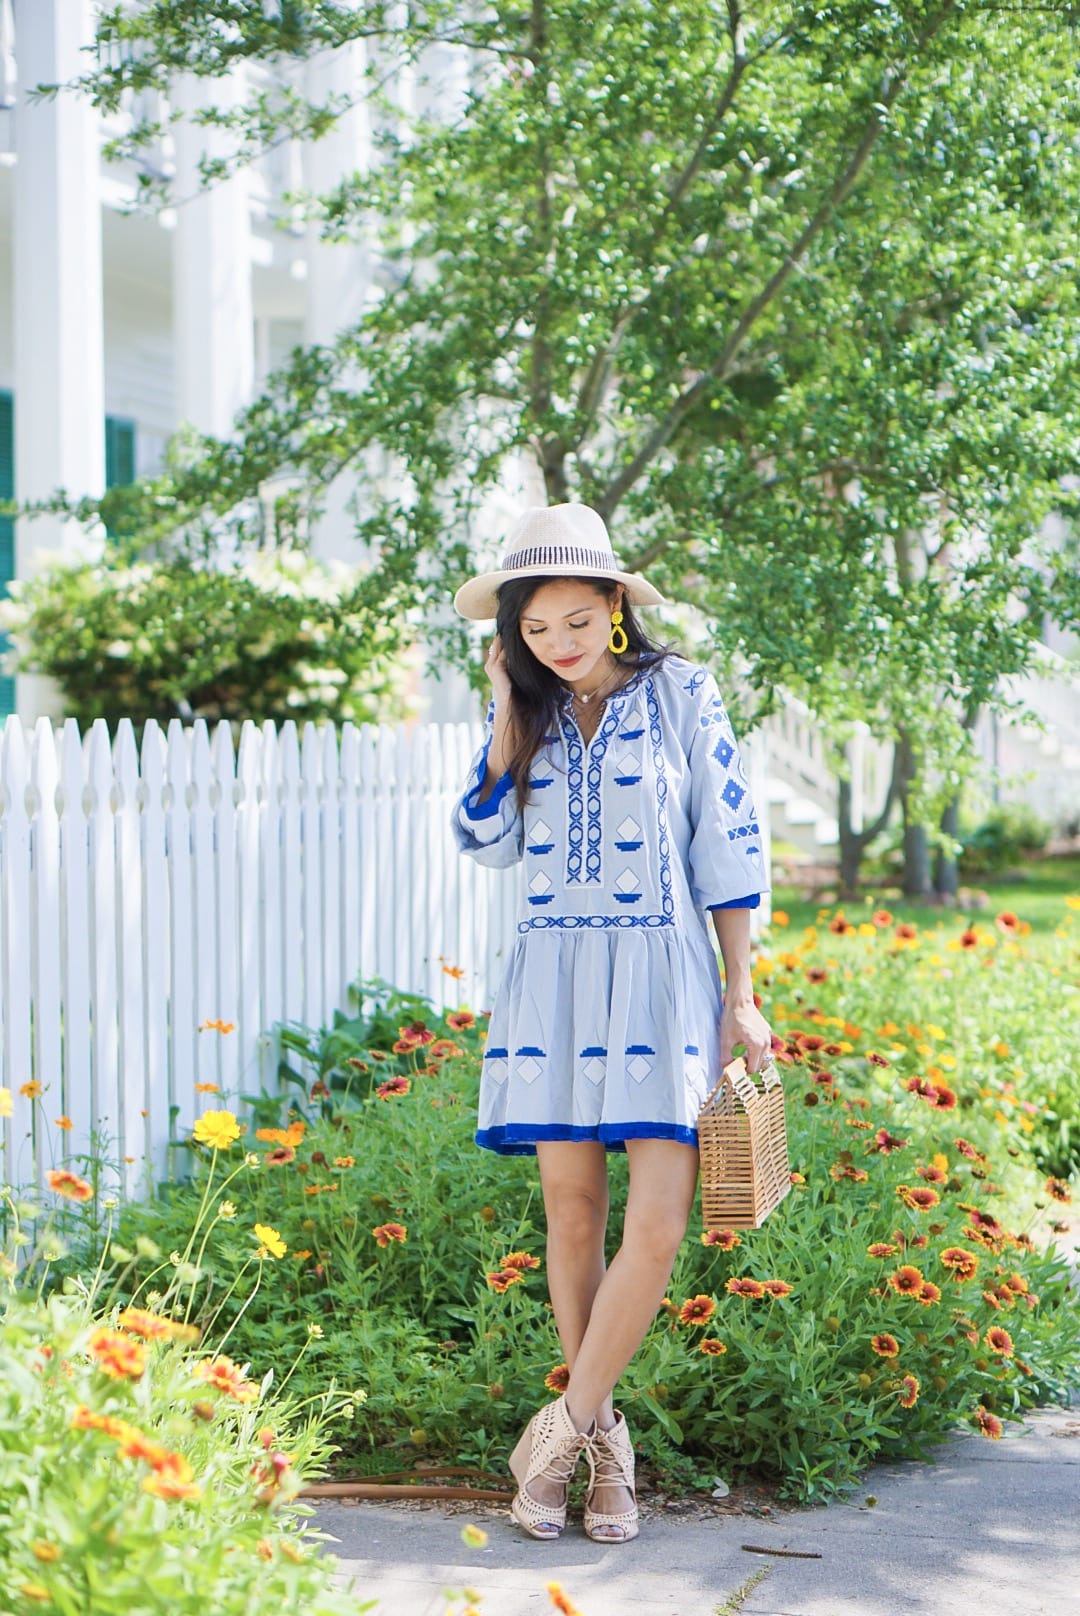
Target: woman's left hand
(743, 1023)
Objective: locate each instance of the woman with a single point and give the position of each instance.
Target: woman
(610, 769)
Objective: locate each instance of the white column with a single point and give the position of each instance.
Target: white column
(213, 317)
(59, 343)
(338, 272)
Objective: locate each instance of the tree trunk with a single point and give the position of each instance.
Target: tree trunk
(853, 843)
(946, 870)
(916, 880)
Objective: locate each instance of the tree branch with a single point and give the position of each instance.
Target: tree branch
(722, 366)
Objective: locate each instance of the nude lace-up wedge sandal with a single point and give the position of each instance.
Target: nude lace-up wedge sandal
(550, 1446)
(611, 1463)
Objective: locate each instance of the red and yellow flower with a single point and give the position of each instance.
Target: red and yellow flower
(698, 1309)
(385, 1233)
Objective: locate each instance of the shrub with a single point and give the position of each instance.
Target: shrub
(140, 1471)
(1009, 834)
(421, 1257)
(275, 635)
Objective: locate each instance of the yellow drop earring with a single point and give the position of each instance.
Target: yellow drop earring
(618, 634)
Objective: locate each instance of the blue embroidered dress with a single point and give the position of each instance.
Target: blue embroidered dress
(605, 1025)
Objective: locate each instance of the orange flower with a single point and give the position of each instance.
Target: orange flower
(344, 1162)
(417, 1034)
(1007, 921)
(969, 939)
(455, 971)
(886, 1142)
(882, 917)
(882, 1248)
(928, 1293)
(207, 1088)
(501, 1279)
(839, 1170)
(116, 1355)
(1017, 1284)
(906, 932)
(907, 1280)
(318, 1189)
(560, 1600)
(65, 1123)
(461, 1020)
(885, 1345)
(217, 1026)
(776, 1287)
(226, 1377)
(386, 1232)
(920, 1197)
(964, 1264)
(172, 1479)
(61, 1182)
(32, 1090)
(745, 1287)
(85, 1419)
(445, 1049)
(403, 1046)
(726, 1239)
(932, 1174)
(1060, 1191)
(392, 1086)
(712, 1347)
(944, 1098)
(557, 1379)
(280, 1156)
(875, 1059)
(992, 1300)
(151, 1326)
(999, 1341)
(780, 917)
(988, 1423)
(521, 1259)
(698, 1310)
(908, 1396)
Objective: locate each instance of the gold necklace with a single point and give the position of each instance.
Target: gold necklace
(592, 694)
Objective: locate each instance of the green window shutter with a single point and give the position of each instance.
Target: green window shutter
(7, 534)
(119, 451)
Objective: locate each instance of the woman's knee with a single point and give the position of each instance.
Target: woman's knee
(576, 1213)
(656, 1232)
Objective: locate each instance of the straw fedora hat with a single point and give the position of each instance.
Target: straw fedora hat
(558, 541)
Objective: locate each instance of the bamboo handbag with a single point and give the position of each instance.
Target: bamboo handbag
(742, 1143)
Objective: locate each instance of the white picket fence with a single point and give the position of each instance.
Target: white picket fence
(144, 894)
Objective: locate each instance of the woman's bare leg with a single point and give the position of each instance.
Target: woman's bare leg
(573, 1176)
(663, 1177)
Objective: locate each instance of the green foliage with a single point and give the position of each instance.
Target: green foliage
(274, 636)
(786, 292)
(952, 1097)
(1009, 834)
(130, 1482)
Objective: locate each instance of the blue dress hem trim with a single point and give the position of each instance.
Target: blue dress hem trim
(521, 1138)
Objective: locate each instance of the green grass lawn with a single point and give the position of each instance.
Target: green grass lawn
(1036, 893)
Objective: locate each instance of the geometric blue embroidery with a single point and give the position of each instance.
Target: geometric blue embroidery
(743, 830)
(538, 785)
(547, 899)
(593, 1049)
(656, 735)
(540, 847)
(529, 1050)
(696, 680)
(627, 779)
(628, 897)
(691, 1049)
(631, 734)
(495, 1054)
(723, 751)
(584, 845)
(639, 1049)
(732, 794)
(598, 922)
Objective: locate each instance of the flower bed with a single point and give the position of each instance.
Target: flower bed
(899, 1291)
(139, 1469)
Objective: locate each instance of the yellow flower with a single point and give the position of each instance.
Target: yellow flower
(226, 1211)
(219, 1129)
(1072, 901)
(45, 1551)
(935, 1032)
(270, 1240)
(5, 1102)
(474, 1537)
(31, 1090)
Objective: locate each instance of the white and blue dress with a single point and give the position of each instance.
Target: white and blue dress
(606, 1023)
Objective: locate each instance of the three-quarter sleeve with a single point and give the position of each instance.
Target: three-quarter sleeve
(489, 831)
(726, 865)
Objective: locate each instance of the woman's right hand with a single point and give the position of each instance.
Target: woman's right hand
(496, 670)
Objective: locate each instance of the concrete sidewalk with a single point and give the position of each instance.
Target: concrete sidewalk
(990, 1529)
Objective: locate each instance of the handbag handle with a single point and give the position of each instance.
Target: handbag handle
(736, 1076)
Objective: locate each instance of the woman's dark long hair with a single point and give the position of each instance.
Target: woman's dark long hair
(538, 691)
